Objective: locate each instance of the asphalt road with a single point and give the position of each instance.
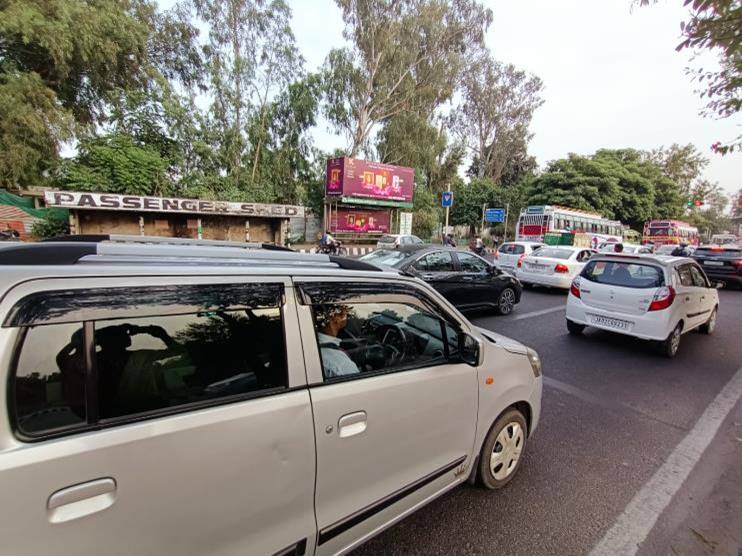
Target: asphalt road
(613, 413)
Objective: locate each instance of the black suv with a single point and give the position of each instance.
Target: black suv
(722, 263)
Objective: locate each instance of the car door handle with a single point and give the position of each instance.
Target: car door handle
(427, 276)
(352, 424)
(80, 500)
(467, 277)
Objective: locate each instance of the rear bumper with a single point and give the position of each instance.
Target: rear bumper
(725, 277)
(553, 280)
(649, 326)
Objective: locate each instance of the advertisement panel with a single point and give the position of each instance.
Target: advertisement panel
(354, 178)
(361, 221)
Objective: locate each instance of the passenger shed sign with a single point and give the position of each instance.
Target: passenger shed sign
(105, 201)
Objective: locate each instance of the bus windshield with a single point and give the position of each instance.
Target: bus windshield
(659, 231)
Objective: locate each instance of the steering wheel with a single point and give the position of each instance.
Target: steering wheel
(394, 340)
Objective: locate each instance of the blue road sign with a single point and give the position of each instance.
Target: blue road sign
(447, 199)
(494, 215)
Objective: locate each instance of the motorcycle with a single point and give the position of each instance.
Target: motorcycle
(335, 249)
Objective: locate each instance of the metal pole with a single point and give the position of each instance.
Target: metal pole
(507, 212)
(481, 228)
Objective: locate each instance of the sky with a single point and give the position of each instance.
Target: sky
(612, 77)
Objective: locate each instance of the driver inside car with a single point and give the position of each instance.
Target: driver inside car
(331, 320)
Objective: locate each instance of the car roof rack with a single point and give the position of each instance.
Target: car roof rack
(119, 251)
(158, 240)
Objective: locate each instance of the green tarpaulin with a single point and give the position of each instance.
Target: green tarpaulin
(26, 205)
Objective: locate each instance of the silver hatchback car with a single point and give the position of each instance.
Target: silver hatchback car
(163, 398)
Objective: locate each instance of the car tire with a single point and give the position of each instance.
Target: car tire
(506, 301)
(502, 451)
(669, 347)
(710, 325)
(575, 328)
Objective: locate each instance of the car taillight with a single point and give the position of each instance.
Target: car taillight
(497, 254)
(520, 260)
(662, 299)
(574, 289)
(561, 268)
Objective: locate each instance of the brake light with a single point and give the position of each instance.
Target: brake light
(662, 299)
(520, 260)
(561, 268)
(574, 289)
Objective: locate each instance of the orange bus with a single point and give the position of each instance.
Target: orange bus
(662, 232)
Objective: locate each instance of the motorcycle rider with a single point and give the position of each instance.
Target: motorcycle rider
(328, 244)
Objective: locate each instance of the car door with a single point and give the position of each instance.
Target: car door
(480, 283)
(391, 433)
(437, 269)
(689, 296)
(707, 299)
(154, 415)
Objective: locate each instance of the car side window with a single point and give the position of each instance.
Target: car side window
(49, 381)
(471, 263)
(232, 347)
(699, 280)
(438, 261)
(686, 278)
(359, 339)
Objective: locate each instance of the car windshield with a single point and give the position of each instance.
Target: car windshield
(626, 274)
(385, 257)
(512, 249)
(554, 253)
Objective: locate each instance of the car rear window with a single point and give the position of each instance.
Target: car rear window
(625, 274)
(552, 253)
(725, 253)
(512, 249)
(387, 239)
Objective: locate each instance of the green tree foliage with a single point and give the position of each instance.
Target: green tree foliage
(498, 102)
(715, 25)
(31, 128)
(251, 58)
(65, 65)
(50, 226)
(404, 56)
(115, 164)
(622, 184)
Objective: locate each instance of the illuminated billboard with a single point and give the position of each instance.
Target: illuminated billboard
(360, 221)
(360, 179)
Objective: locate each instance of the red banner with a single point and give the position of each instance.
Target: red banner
(360, 221)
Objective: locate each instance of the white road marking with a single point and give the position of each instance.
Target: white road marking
(638, 518)
(539, 313)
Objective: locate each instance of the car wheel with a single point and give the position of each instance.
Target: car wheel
(710, 325)
(506, 301)
(670, 346)
(503, 450)
(575, 328)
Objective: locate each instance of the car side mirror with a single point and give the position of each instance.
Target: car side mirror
(469, 349)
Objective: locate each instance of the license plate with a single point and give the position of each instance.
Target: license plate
(538, 267)
(713, 263)
(609, 322)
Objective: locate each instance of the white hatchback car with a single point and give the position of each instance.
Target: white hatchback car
(510, 252)
(628, 248)
(395, 241)
(649, 297)
(555, 267)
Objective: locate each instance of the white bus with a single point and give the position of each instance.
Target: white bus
(536, 221)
